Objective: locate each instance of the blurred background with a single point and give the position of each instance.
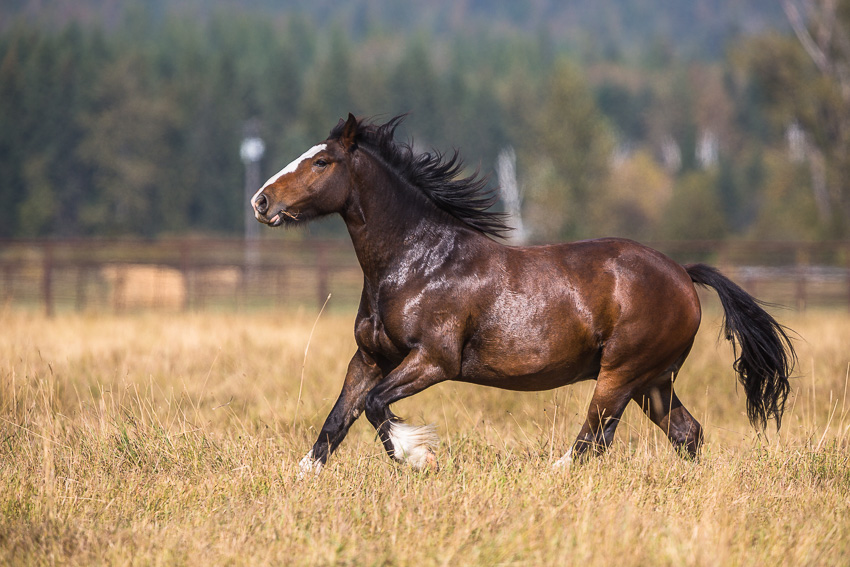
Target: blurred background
(717, 130)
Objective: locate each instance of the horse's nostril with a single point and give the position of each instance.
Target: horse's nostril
(261, 204)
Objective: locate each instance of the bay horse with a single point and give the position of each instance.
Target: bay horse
(443, 300)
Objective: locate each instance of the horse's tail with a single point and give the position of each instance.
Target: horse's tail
(766, 357)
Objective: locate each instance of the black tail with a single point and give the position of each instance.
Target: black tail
(767, 355)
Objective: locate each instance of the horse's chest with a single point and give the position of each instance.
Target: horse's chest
(372, 336)
(392, 320)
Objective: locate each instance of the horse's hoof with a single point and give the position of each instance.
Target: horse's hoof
(431, 463)
(564, 462)
(309, 467)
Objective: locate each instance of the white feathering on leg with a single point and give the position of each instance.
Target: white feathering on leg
(414, 444)
(309, 465)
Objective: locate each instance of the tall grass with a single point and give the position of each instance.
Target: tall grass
(166, 440)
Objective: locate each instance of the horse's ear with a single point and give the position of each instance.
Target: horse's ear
(348, 139)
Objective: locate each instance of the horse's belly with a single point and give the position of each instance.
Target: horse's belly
(532, 368)
(536, 339)
(527, 383)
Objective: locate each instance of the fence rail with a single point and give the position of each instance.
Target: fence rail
(192, 274)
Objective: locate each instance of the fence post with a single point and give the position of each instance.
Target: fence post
(7, 281)
(802, 261)
(47, 279)
(847, 272)
(321, 273)
(184, 269)
(82, 280)
(280, 285)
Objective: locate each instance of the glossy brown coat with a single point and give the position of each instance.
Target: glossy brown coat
(442, 300)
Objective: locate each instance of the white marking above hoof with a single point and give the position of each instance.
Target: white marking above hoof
(309, 466)
(414, 444)
(565, 461)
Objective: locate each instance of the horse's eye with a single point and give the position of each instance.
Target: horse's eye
(320, 163)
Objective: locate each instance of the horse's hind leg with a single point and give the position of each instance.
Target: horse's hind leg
(603, 416)
(660, 403)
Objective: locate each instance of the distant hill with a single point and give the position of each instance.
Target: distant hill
(604, 28)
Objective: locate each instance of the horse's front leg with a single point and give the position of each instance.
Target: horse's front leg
(362, 375)
(407, 443)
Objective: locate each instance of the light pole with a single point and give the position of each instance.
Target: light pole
(251, 151)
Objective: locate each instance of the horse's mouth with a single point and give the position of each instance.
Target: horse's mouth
(281, 217)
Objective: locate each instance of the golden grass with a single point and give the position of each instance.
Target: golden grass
(169, 439)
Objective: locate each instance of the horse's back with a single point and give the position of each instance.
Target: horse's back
(627, 287)
(605, 274)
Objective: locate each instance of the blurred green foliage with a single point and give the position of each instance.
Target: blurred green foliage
(132, 125)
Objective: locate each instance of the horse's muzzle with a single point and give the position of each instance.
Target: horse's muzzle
(261, 204)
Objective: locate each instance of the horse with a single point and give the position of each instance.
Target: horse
(444, 299)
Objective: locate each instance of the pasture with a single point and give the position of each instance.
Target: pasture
(175, 439)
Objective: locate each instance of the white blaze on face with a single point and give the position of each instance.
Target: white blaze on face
(289, 168)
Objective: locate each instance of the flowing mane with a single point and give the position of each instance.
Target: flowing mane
(435, 175)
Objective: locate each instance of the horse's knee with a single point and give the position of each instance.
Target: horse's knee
(375, 409)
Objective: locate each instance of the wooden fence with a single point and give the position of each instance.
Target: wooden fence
(192, 274)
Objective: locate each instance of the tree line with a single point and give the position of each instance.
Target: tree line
(134, 128)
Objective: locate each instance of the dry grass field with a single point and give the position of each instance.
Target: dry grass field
(174, 439)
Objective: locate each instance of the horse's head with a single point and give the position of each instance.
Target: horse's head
(314, 185)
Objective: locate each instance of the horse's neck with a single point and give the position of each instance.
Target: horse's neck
(392, 228)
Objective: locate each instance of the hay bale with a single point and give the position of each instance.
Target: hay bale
(136, 286)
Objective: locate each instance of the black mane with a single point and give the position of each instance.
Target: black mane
(434, 173)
